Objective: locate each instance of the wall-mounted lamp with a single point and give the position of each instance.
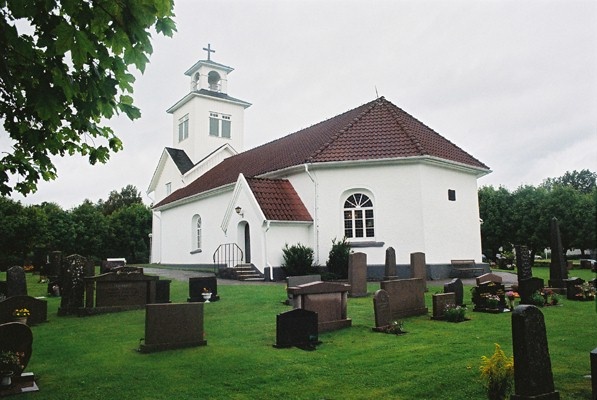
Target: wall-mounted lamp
(239, 211)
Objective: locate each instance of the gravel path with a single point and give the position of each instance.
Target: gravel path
(184, 275)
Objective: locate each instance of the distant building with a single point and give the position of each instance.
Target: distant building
(374, 174)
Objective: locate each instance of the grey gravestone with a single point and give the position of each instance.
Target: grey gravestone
(533, 378)
(37, 307)
(381, 308)
(390, 267)
(298, 328)
(594, 374)
(557, 269)
(72, 287)
(523, 263)
(16, 282)
(198, 285)
(440, 301)
(407, 297)
(162, 291)
(455, 286)
(173, 326)
(357, 274)
(527, 287)
(418, 267)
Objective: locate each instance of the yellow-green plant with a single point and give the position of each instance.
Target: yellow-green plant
(497, 374)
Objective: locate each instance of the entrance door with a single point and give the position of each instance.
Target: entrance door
(247, 244)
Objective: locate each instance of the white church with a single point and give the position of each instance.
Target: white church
(374, 175)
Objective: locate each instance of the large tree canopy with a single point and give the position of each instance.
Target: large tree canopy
(64, 68)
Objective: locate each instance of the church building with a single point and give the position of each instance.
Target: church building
(374, 175)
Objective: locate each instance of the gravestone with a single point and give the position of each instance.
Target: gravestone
(572, 288)
(390, 266)
(533, 378)
(198, 285)
(16, 282)
(381, 308)
(357, 274)
(483, 291)
(37, 307)
(125, 288)
(594, 374)
(455, 286)
(298, 328)
(440, 301)
(407, 297)
(418, 267)
(527, 287)
(523, 263)
(173, 326)
(162, 291)
(52, 272)
(72, 287)
(489, 277)
(18, 338)
(328, 299)
(557, 268)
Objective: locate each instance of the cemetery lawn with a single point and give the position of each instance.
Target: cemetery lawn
(96, 358)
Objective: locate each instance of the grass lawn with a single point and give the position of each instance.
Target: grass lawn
(96, 358)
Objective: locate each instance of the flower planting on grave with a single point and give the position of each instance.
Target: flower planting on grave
(585, 292)
(545, 297)
(395, 328)
(10, 361)
(512, 296)
(21, 312)
(497, 374)
(454, 313)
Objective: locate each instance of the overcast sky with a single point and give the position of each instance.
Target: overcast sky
(514, 83)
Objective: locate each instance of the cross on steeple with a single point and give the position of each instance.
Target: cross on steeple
(209, 51)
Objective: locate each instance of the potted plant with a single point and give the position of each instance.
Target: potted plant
(512, 296)
(21, 315)
(10, 363)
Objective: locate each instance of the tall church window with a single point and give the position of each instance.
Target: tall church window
(183, 128)
(219, 125)
(196, 232)
(358, 217)
(168, 188)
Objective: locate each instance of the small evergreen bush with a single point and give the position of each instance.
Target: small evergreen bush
(298, 260)
(337, 263)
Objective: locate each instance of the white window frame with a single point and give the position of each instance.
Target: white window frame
(220, 125)
(196, 234)
(183, 128)
(168, 188)
(358, 219)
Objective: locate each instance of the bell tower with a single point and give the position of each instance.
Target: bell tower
(207, 118)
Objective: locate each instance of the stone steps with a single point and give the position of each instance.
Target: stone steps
(246, 272)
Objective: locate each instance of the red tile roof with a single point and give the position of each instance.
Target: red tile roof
(278, 200)
(374, 130)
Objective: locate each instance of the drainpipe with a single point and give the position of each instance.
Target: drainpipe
(267, 263)
(315, 217)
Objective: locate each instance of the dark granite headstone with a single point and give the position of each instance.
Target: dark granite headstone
(298, 328)
(173, 326)
(162, 291)
(357, 274)
(572, 288)
(390, 267)
(533, 378)
(198, 285)
(594, 374)
(527, 287)
(17, 337)
(523, 263)
(72, 287)
(381, 308)
(557, 269)
(37, 307)
(483, 292)
(455, 286)
(16, 282)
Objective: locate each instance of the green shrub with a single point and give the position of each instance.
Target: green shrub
(497, 374)
(298, 260)
(337, 263)
(454, 313)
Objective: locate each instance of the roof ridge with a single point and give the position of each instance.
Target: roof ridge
(333, 138)
(411, 136)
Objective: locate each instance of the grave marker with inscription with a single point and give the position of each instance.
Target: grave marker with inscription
(381, 308)
(440, 302)
(357, 274)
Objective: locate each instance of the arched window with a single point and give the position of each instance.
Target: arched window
(358, 217)
(196, 232)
